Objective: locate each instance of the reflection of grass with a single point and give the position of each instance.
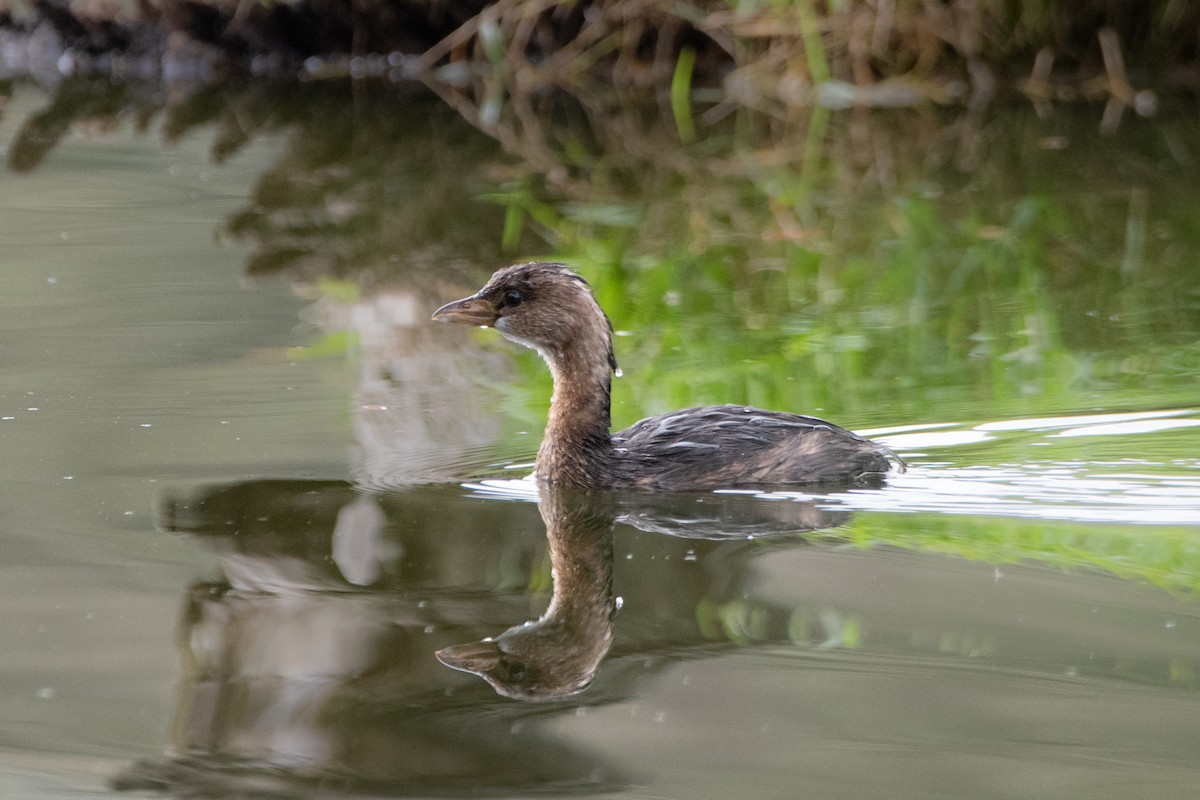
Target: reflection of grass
(1165, 557)
(767, 281)
(1162, 556)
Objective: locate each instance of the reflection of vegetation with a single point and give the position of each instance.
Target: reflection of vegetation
(362, 183)
(1166, 557)
(891, 287)
(371, 176)
(100, 102)
(900, 266)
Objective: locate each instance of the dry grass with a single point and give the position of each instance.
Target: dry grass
(553, 81)
(782, 55)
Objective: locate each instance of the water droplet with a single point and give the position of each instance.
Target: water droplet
(1169, 624)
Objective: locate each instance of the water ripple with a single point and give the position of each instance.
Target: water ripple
(1063, 483)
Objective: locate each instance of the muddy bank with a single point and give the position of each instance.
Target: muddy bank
(878, 53)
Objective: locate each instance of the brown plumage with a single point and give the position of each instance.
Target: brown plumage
(551, 309)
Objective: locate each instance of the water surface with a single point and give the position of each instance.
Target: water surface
(248, 490)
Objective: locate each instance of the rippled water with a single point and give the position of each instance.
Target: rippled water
(240, 512)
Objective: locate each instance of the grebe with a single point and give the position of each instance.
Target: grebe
(551, 309)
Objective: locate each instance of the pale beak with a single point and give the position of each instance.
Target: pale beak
(468, 311)
(477, 657)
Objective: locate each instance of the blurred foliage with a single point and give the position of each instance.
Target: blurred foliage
(764, 54)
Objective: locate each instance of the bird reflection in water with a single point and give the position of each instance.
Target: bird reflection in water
(558, 654)
(310, 656)
(304, 666)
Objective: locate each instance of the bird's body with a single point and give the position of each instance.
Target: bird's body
(551, 309)
(728, 446)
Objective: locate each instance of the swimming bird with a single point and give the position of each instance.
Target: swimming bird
(550, 308)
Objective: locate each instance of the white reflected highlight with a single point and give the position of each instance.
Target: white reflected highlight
(1126, 428)
(922, 441)
(1044, 423)
(1060, 492)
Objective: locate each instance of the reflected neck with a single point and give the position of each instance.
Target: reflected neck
(579, 527)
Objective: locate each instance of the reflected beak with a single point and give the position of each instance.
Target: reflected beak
(477, 657)
(468, 311)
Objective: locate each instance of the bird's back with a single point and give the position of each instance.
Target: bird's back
(728, 446)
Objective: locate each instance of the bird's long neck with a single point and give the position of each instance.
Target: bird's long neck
(577, 443)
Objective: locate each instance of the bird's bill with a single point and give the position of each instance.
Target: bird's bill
(475, 657)
(468, 311)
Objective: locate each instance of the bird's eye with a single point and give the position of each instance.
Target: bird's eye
(513, 298)
(514, 671)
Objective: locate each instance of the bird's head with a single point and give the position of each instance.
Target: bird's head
(540, 305)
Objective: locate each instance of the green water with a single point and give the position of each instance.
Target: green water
(247, 489)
